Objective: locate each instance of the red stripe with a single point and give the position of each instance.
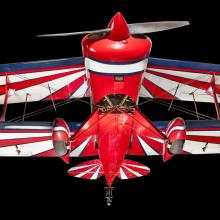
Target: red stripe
(89, 175)
(33, 82)
(79, 171)
(48, 153)
(190, 82)
(67, 90)
(41, 70)
(137, 169)
(209, 139)
(136, 148)
(155, 145)
(9, 142)
(157, 91)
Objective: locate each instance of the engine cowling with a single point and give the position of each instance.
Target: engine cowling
(176, 136)
(61, 139)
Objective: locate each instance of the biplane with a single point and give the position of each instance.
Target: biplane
(114, 71)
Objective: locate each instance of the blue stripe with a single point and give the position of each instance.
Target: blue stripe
(72, 125)
(191, 124)
(183, 64)
(41, 64)
(117, 63)
(116, 74)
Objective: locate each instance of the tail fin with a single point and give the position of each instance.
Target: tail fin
(91, 169)
(132, 169)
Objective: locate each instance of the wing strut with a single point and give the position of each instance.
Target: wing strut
(4, 109)
(171, 103)
(25, 106)
(212, 91)
(54, 106)
(194, 101)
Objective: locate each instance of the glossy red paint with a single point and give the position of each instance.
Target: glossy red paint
(113, 132)
(176, 130)
(61, 133)
(106, 85)
(114, 144)
(115, 48)
(119, 28)
(103, 49)
(108, 56)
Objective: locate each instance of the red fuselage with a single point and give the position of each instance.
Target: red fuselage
(115, 63)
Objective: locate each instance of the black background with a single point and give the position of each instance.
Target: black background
(40, 187)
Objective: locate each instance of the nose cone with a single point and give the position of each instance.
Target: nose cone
(118, 28)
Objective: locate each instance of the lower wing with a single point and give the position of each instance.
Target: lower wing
(27, 139)
(202, 137)
(35, 139)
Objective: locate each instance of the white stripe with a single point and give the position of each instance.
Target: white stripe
(60, 128)
(34, 75)
(188, 75)
(114, 68)
(21, 127)
(165, 84)
(81, 167)
(95, 175)
(78, 150)
(147, 149)
(133, 172)
(122, 174)
(156, 139)
(27, 150)
(170, 124)
(80, 92)
(85, 172)
(11, 136)
(144, 92)
(137, 166)
(204, 133)
(180, 128)
(195, 147)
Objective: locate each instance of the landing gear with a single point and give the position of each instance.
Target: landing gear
(109, 195)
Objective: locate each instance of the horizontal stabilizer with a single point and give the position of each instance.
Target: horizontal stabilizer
(91, 170)
(132, 169)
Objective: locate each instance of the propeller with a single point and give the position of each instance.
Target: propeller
(135, 28)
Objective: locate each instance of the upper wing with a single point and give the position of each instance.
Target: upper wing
(43, 80)
(174, 79)
(203, 137)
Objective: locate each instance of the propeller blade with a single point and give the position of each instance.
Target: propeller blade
(136, 28)
(150, 27)
(74, 33)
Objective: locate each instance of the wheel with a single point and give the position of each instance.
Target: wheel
(176, 147)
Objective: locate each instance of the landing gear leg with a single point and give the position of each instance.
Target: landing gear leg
(109, 195)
